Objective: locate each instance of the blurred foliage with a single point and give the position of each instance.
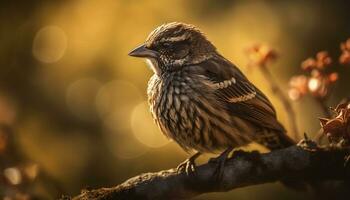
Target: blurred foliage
(73, 108)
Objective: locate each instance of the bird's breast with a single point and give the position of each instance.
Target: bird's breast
(169, 102)
(188, 113)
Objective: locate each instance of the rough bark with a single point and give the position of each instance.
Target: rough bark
(303, 162)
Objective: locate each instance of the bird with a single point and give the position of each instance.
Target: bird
(203, 101)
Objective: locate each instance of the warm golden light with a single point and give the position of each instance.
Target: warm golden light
(50, 44)
(314, 84)
(13, 175)
(31, 170)
(73, 110)
(115, 101)
(294, 94)
(80, 97)
(124, 145)
(144, 129)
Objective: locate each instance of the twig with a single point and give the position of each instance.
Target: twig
(327, 114)
(296, 163)
(283, 98)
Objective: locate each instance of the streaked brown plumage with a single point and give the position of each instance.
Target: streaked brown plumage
(201, 100)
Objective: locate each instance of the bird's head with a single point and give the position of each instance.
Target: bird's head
(172, 46)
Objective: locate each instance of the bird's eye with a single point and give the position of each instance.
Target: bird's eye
(176, 50)
(166, 44)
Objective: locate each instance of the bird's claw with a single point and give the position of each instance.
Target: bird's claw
(189, 165)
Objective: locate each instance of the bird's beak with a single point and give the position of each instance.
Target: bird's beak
(143, 52)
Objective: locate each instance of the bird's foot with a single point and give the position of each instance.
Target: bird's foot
(189, 165)
(220, 160)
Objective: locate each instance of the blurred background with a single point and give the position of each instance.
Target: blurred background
(73, 105)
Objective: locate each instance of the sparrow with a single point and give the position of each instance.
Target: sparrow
(201, 100)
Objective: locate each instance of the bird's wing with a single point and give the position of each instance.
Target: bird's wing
(239, 95)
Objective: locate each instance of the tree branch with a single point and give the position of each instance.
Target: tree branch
(296, 163)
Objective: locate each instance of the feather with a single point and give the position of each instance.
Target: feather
(240, 97)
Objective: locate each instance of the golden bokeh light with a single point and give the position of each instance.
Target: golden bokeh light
(314, 84)
(294, 94)
(50, 150)
(13, 175)
(80, 97)
(73, 108)
(145, 129)
(115, 101)
(50, 44)
(124, 146)
(31, 170)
